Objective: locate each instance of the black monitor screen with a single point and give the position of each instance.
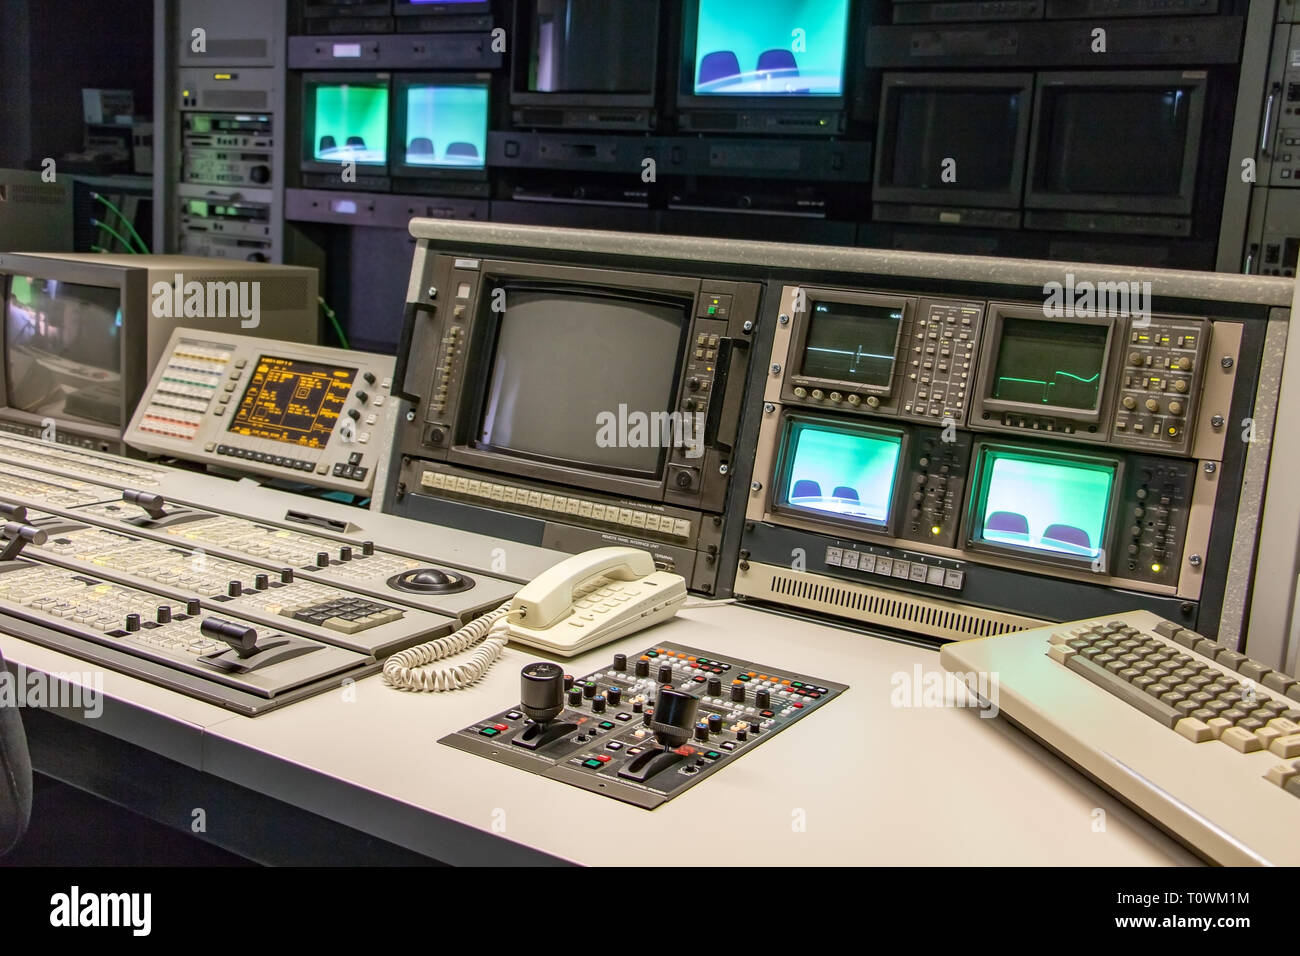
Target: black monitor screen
(585, 379)
(1113, 140)
(593, 46)
(63, 350)
(975, 128)
(1050, 363)
(852, 342)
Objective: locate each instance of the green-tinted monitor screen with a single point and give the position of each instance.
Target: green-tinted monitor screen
(351, 123)
(1052, 364)
(1038, 502)
(845, 472)
(852, 342)
(446, 125)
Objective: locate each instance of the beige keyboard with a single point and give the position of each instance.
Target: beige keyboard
(1202, 738)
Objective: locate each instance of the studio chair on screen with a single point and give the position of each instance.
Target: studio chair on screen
(15, 777)
(465, 150)
(421, 146)
(804, 488)
(718, 66)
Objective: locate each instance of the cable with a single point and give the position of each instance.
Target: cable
(338, 329)
(95, 248)
(409, 669)
(144, 247)
(690, 604)
(115, 234)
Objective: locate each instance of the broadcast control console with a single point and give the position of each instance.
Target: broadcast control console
(302, 413)
(649, 726)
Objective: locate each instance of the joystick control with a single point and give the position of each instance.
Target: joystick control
(673, 722)
(541, 697)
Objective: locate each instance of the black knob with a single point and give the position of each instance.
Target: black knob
(614, 695)
(345, 553)
(693, 385)
(354, 414)
(665, 673)
(541, 691)
(742, 734)
(714, 686)
(754, 727)
(369, 377)
(674, 716)
(164, 614)
(642, 668)
(738, 692)
(192, 608)
(367, 548)
(261, 582)
(715, 723)
(589, 690)
(133, 622)
(568, 681)
(286, 575)
(235, 588)
(598, 704)
(637, 706)
(575, 698)
(701, 731)
(260, 174)
(620, 662)
(763, 699)
(322, 559)
(647, 715)
(363, 397)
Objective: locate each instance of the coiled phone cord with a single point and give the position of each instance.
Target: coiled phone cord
(411, 669)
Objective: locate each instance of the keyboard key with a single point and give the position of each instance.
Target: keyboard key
(1254, 670)
(1231, 659)
(1282, 773)
(1241, 740)
(1287, 746)
(1125, 691)
(1194, 730)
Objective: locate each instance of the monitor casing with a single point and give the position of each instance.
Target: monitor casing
(288, 312)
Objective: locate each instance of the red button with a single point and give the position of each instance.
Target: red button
(796, 704)
(603, 758)
(500, 727)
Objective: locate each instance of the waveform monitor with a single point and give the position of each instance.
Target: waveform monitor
(293, 401)
(853, 342)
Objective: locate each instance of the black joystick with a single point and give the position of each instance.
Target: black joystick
(673, 722)
(154, 505)
(541, 697)
(541, 691)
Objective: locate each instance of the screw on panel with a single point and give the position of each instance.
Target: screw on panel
(433, 292)
(724, 468)
(776, 369)
(1211, 467)
(784, 319)
(769, 408)
(410, 416)
(756, 486)
(1226, 361)
(748, 327)
(1194, 560)
(1216, 421)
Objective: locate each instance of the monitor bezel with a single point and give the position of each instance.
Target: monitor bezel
(133, 287)
(690, 101)
(397, 130)
(803, 325)
(972, 525)
(482, 353)
(1038, 197)
(310, 81)
(780, 478)
(984, 403)
(886, 136)
(519, 65)
(404, 8)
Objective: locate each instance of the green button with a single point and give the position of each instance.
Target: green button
(604, 725)
(795, 683)
(713, 310)
(712, 754)
(593, 764)
(489, 731)
(744, 677)
(651, 653)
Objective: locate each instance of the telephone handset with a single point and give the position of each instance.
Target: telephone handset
(584, 601)
(593, 598)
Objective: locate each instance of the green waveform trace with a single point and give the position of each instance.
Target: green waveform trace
(1049, 385)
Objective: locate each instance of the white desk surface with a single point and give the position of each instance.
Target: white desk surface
(900, 786)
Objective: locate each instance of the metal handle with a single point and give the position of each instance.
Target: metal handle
(1268, 119)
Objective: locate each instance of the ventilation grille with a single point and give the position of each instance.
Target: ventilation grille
(236, 99)
(46, 193)
(875, 606)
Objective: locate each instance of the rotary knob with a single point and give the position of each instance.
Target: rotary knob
(541, 691)
(836, 397)
(854, 400)
(1135, 358)
(665, 673)
(701, 731)
(614, 695)
(1180, 385)
(737, 693)
(1152, 405)
(589, 690)
(620, 662)
(873, 402)
(642, 668)
(763, 699)
(575, 698)
(1183, 364)
(164, 615)
(714, 687)
(801, 392)
(1175, 408)
(715, 723)
(1130, 402)
(261, 582)
(818, 394)
(598, 704)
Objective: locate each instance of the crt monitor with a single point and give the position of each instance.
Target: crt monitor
(1043, 505)
(1120, 141)
(569, 364)
(441, 125)
(586, 53)
(764, 50)
(956, 139)
(839, 472)
(345, 120)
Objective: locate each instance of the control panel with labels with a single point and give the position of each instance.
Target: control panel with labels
(301, 413)
(647, 727)
(969, 465)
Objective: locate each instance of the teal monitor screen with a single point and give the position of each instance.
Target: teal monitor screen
(1055, 364)
(842, 471)
(446, 126)
(350, 123)
(1043, 503)
(771, 47)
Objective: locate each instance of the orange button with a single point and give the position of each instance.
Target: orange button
(690, 658)
(682, 656)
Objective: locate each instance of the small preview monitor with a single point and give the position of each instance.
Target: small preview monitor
(1034, 502)
(585, 378)
(780, 49)
(63, 350)
(292, 401)
(1118, 141)
(441, 125)
(953, 138)
(345, 120)
(585, 51)
(852, 342)
(840, 472)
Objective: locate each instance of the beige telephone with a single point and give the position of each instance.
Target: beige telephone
(591, 599)
(584, 601)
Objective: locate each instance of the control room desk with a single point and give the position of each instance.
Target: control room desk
(859, 781)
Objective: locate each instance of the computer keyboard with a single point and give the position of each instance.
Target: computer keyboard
(1201, 738)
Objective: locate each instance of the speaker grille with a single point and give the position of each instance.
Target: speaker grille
(860, 602)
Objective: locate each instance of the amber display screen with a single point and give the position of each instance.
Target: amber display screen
(293, 401)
